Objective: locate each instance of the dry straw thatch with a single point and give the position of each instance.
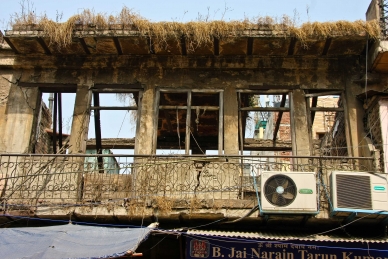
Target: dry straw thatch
(199, 32)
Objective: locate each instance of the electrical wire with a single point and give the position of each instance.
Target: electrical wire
(220, 239)
(199, 236)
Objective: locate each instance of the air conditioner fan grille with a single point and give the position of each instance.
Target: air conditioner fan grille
(280, 190)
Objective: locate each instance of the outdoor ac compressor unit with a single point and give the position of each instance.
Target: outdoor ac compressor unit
(359, 192)
(288, 192)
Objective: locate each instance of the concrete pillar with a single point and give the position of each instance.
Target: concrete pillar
(299, 126)
(21, 116)
(145, 141)
(354, 127)
(5, 86)
(81, 118)
(230, 122)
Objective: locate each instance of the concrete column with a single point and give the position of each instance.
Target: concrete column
(299, 127)
(5, 86)
(21, 116)
(148, 123)
(354, 127)
(230, 122)
(81, 118)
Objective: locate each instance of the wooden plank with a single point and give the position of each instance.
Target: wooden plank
(115, 91)
(314, 102)
(263, 91)
(171, 107)
(326, 109)
(51, 87)
(106, 87)
(266, 109)
(192, 90)
(114, 108)
(109, 143)
(221, 124)
(279, 119)
(188, 122)
(59, 121)
(97, 127)
(324, 93)
(240, 131)
(155, 120)
(249, 144)
(272, 87)
(310, 120)
(348, 129)
(55, 116)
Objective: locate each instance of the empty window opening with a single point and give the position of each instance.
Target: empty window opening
(112, 130)
(265, 127)
(54, 123)
(189, 122)
(264, 120)
(327, 123)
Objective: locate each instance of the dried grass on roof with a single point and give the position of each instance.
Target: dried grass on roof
(199, 32)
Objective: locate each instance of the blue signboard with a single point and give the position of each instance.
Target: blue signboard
(221, 247)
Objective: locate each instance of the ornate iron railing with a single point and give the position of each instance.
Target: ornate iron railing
(27, 180)
(383, 5)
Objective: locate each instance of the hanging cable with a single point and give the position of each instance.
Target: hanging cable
(177, 128)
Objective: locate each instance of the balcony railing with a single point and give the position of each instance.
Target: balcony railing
(47, 180)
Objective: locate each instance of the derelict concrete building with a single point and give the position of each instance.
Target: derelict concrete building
(195, 99)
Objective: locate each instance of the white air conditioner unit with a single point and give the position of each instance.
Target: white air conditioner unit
(359, 192)
(288, 192)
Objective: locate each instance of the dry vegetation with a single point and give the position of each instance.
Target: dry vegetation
(198, 32)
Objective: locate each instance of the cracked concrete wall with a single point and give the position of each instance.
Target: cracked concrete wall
(21, 118)
(19, 108)
(6, 77)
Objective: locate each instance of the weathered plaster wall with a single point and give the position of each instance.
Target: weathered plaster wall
(6, 77)
(177, 71)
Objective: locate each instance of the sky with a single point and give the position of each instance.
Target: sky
(184, 10)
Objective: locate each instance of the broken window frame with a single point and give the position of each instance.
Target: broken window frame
(281, 110)
(189, 108)
(311, 102)
(98, 89)
(57, 90)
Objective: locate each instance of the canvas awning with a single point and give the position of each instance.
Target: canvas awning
(69, 241)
